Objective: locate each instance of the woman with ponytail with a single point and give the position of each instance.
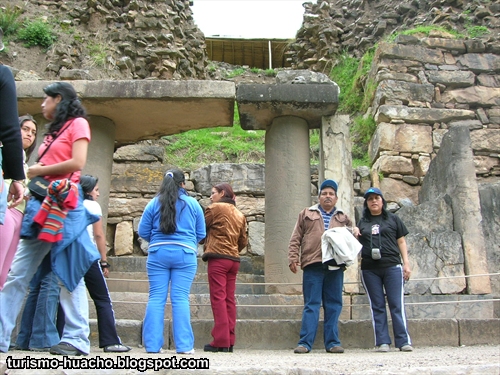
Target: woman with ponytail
(173, 224)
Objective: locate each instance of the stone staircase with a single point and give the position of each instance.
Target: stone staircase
(272, 321)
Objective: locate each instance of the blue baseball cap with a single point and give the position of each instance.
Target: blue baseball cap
(329, 183)
(373, 190)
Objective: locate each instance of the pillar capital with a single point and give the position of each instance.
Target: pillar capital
(259, 104)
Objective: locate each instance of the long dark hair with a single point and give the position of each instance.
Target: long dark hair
(367, 215)
(22, 120)
(88, 184)
(228, 196)
(167, 196)
(68, 108)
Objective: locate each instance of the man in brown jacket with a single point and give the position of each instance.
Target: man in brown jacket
(320, 283)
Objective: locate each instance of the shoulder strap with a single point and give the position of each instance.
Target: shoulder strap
(53, 139)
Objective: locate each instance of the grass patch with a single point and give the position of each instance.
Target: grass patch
(98, 53)
(426, 30)
(235, 73)
(37, 33)
(477, 31)
(9, 20)
(196, 148)
(362, 131)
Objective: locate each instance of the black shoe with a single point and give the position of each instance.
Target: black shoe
(117, 348)
(231, 349)
(63, 348)
(210, 348)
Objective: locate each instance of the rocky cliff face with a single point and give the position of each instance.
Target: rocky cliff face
(103, 39)
(331, 27)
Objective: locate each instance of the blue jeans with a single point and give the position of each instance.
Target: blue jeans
(38, 322)
(29, 256)
(390, 279)
(321, 285)
(174, 265)
(3, 192)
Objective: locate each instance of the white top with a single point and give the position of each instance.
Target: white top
(94, 208)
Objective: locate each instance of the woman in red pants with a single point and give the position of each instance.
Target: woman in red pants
(226, 237)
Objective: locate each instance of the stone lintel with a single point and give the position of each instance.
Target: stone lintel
(145, 109)
(258, 105)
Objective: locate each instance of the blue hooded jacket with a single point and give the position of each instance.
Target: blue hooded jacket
(72, 256)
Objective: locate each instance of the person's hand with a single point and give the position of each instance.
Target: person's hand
(294, 266)
(15, 194)
(35, 170)
(406, 272)
(355, 231)
(105, 272)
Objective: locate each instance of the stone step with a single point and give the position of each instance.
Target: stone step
(284, 334)
(253, 265)
(137, 282)
(128, 305)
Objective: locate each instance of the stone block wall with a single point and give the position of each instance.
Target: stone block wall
(425, 86)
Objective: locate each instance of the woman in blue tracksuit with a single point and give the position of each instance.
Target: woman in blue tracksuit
(173, 223)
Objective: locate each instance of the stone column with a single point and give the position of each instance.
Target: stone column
(288, 191)
(100, 158)
(336, 163)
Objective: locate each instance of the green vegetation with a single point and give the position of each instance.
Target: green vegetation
(362, 130)
(195, 148)
(426, 30)
(9, 20)
(98, 53)
(37, 33)
(235, 72)
(477, 31)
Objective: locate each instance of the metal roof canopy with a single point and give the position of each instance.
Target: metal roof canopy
(255, 53)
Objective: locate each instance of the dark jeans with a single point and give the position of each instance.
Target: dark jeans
(390, 279)
(321, 285)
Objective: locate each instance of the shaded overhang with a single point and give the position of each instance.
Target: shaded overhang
(145, 109)
(255, 53)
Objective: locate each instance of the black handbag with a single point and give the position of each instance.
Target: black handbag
(38, 185)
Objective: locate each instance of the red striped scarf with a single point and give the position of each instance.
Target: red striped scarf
(62, 196)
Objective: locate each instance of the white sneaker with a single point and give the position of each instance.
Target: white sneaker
(189, 352)
(384, 348)
(406, 348)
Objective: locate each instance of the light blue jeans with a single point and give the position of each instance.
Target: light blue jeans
(29, 256)
(176, 266)
(3, 192)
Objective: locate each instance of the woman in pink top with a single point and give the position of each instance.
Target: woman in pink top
(61, 156)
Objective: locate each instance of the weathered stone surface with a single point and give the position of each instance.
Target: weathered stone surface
(489, 195)
(485, 164)
(400, 138)
(390, 90)
(244, 178)
(486, 140)
(451, 79)
(137, 178)
(251, 206)
(385, 74)
(480, 63)
(126, 207)
(446, 44)
(413, 52)
(437, 137)
(409, 115)
(474, 95)
(452, 172)
(256, 232)
(140, 152)
(395, 164)
(124, 238)
(423, 165)
(488, 80)
(397, 191)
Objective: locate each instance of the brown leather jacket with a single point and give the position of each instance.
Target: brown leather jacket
(305, 243)
(226, 232)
